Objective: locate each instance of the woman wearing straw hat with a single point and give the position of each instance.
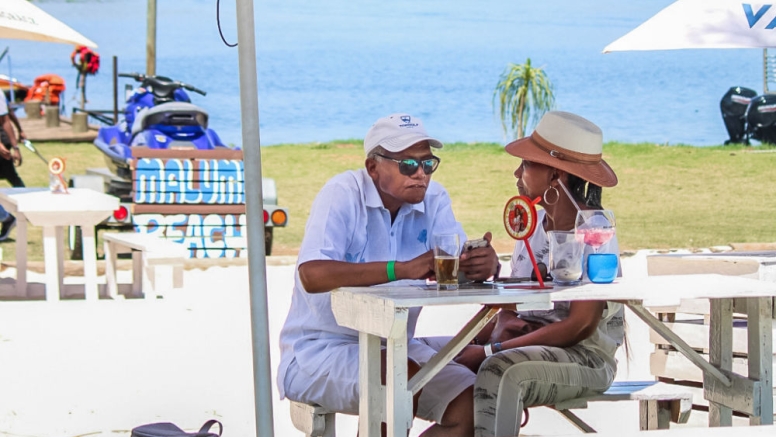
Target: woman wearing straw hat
(543, 357)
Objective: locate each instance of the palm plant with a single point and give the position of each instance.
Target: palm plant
(523, 92)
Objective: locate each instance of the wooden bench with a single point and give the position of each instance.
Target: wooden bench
(690, 319)
(659, 404)
(157, 264)
(313, 420)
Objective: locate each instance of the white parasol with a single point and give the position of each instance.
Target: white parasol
(20, 19)
(697, 24)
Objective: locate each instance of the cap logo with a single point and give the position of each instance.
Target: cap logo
(406, 118)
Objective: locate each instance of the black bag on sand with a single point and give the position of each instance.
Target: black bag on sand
(167, 429)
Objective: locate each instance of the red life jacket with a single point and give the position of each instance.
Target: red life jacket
(88, 61)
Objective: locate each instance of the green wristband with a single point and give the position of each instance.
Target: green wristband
(389, 268)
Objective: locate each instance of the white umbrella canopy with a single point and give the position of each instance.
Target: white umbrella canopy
(20, 19)
(703, 24)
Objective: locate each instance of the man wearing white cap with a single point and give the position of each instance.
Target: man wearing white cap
(369, 227)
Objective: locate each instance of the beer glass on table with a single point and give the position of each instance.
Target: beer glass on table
(447, 249)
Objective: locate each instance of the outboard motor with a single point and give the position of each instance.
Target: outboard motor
(761, 119)
(733, 106)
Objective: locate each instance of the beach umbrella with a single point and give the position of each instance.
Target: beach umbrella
(20, 19)
(703, 24)
(254, 215)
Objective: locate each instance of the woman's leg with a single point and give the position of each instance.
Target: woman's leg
(535, 375)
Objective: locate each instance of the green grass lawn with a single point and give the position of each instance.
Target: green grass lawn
(668, 196)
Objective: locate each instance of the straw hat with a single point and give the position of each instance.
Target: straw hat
(567, 142)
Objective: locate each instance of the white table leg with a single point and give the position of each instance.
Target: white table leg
(371, 397)
(721, 353)
(51, 263)
(760, 351)
(451, 349)
(90, 263)
(137, 273)
(110, 270)
(398, 399)
(21, 255)
(60, 233)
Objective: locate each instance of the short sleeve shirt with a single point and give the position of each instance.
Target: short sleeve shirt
(348, 222)
(3, 105)
(610, 332)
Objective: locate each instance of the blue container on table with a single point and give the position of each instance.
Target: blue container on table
(602, 268)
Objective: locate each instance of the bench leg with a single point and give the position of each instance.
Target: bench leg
(577, 421)
(91, 292)
(164, 278)
(21, 255)
(177, 276)
(312, 421)
(654, 415)
(137, 273)
(147, 274)
(110, 270)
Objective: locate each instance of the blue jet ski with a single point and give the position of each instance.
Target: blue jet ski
(159, 115)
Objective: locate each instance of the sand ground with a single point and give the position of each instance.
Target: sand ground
(77, 368)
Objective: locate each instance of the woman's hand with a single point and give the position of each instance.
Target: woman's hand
(481, 263)
(472, 357)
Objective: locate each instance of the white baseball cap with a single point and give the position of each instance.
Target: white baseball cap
(397, 132)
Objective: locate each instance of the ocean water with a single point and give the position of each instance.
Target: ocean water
(328, 69)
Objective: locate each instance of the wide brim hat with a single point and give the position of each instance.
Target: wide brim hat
(396, 133)
(567, 142)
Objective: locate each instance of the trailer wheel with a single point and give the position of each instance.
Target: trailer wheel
(268, 241)
(74, 243)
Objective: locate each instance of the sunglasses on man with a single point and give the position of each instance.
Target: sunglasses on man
(409, 166)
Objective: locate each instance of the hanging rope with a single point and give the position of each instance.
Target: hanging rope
(218, 21)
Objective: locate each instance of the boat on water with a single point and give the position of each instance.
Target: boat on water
(8, 83)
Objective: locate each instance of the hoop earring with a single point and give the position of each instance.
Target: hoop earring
(557, 195)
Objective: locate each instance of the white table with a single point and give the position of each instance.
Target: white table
(80, 207)
(381, 312)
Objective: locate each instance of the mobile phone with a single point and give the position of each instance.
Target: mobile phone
(474, 244)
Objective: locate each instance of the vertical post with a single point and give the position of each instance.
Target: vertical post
(721, 353)
(254, 215)
(83, 90)
(765, 71)
(12, 84)
(760, 350)
(151, 39)
(115, 90)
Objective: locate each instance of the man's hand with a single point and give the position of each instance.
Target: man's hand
(22, 136)
(479, 264)
(472, 357)
(16, 155)
(421, 267)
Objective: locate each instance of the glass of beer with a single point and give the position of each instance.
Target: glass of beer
(447, 249)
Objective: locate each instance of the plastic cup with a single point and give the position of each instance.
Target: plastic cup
(602, 267)
(566, 255)
(447, 249)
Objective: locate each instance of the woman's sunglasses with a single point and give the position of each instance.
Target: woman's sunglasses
(409, 166)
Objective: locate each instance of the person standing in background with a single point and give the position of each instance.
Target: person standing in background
(10, 157)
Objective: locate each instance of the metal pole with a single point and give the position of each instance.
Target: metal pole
(254, 211)
(12, 85)
(765, 71)
(151, 39)
(115, 90)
